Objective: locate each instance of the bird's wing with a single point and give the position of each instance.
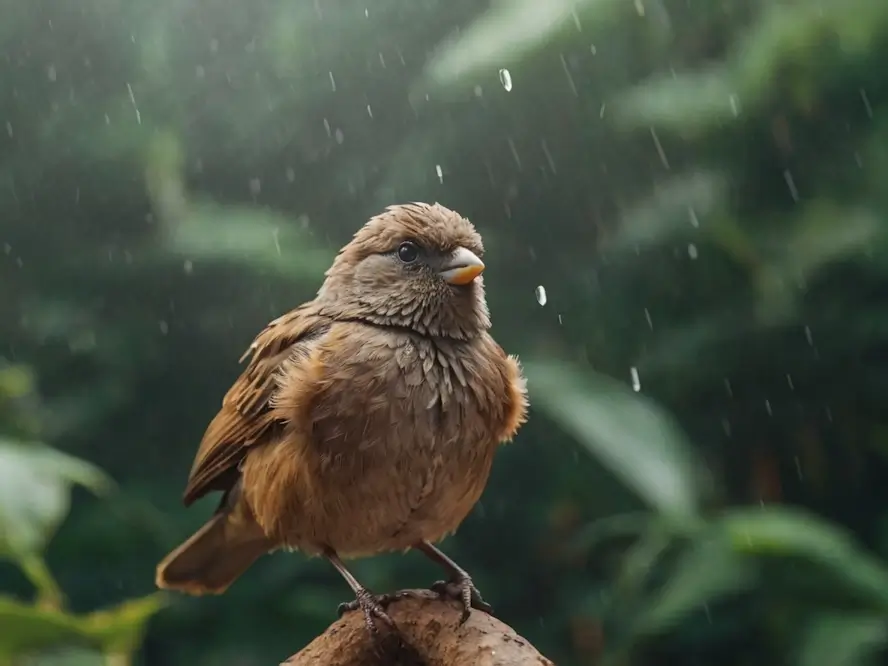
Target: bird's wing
(246, 419)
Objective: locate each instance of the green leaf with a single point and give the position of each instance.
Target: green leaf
(68, 656)
(28, 628)
(35, 488)
(507, 32)
(16, 381)
(504, 33)
(785, 532)
(118, 630)
(203, 230)
(708, 570)
(628, 433)
(689, 102)
(842, 640)
(611, 527)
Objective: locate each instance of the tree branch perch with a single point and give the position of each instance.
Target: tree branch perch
(429, 634)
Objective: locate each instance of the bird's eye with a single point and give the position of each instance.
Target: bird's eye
(408, 252)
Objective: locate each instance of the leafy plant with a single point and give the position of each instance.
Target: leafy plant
(686, 559)
(36, 482)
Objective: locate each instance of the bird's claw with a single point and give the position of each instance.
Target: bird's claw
(463, 590)
(373, 606)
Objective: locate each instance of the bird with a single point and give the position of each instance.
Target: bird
(365, 420)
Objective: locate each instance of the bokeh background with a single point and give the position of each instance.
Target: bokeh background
(684, 204)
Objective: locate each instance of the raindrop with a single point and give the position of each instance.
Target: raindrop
(188, 267)
(440, 173)
(692, 251)
(636, 381)
(790, 183)
(340, 137)
(290, 174)
(255, 186)
(866, 103)
(51, 73)
(659, 148)
(514, 151)
(164, 327)
(548, 157)
(505, 79)
(132, 99)
(9, 128)
(541, 297)
(734, 101)
(332, 81)
(479, 91)
(570, 80)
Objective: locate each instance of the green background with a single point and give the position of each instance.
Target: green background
(699, 186)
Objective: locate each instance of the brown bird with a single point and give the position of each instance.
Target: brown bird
(366, 420)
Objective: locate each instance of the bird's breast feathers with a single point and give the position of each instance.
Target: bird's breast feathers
(379, 391)
(396, 432)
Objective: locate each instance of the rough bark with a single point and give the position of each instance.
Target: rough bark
(429, 634)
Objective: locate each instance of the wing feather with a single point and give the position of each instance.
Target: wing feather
(245, 418)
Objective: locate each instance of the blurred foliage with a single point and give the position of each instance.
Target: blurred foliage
(698, 185)
(35, 487)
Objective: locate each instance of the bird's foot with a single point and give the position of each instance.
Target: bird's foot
(373, 606)
(463, 589)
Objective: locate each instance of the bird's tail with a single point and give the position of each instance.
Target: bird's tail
(213, 557)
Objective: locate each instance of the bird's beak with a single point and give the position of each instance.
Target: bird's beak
(461, 267)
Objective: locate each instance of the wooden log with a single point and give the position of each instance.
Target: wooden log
(428, 634)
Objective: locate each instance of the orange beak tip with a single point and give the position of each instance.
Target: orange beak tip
(462, 275)
(462, 267)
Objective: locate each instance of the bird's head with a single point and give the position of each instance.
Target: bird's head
(416, 266)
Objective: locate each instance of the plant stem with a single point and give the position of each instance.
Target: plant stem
(49, 594)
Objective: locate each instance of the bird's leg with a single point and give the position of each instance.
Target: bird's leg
(371, 605)
(459, 586)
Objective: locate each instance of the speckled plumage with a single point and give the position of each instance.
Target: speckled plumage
(366, 420)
